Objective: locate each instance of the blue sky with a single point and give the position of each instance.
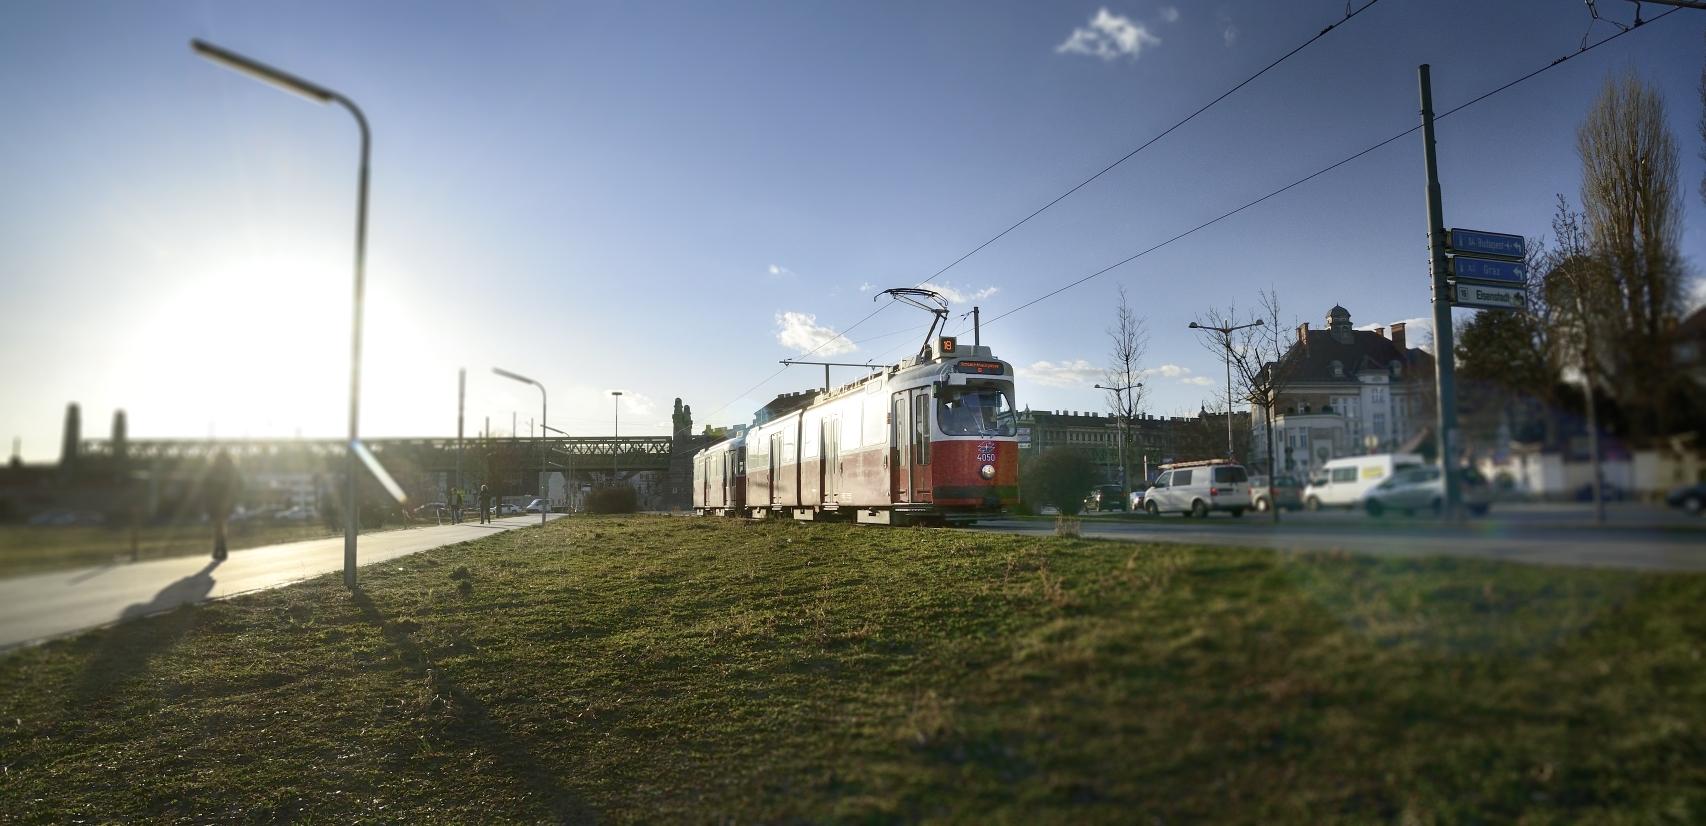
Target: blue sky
(662, 198)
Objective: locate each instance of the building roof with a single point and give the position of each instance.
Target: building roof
(1310, 359)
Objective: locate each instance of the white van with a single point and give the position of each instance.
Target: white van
(1344, 482)
(1196, 488)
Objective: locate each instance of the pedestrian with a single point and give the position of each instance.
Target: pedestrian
(485, 505)
(220, 488)
(455, 506)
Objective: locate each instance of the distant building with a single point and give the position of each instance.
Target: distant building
(1348, 392)
(1153, 439)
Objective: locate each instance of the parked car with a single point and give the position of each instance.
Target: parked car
(1199, 488)
(297, 514)
(1135, 500)
(430, 509)
(535, 505)
(1288, 493)
(1423, 489)
(1344, 482)
(509, 509)
(1691, 498)
(61, 517)
(1103, 498)
(1050, 510)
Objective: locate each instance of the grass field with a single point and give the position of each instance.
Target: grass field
(653, 669)
(27, 549)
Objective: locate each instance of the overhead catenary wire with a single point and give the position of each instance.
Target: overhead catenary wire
(1223, 216)
(1164, 133)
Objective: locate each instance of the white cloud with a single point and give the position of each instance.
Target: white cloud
(1064, 374)
(867, 287)
(780, 272)
(956, 295)
(1418, 332)
(1108, 37)
(1697, 295)
(1227, 30)
(800, 331)
(1200, 381)
(1170, 371)
(1169, 14)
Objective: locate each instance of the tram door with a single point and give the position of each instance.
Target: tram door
(829, 454)
(909, 445)
(775, 467)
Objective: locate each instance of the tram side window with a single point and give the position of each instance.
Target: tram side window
(975, 411)
(851, 422)
(876, 421)
(921, 428)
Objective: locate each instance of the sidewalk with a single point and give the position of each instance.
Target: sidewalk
(43, 606)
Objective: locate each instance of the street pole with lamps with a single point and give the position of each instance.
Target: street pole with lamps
(544, 444)
(322, 95)
(616, 403)
(1226, 331)
(1125, 428)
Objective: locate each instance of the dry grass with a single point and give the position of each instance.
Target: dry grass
(675, 670)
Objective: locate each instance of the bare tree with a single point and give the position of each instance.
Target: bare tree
(1582, 305)
(1128, 343)
(1633, 223)
(1261, 373)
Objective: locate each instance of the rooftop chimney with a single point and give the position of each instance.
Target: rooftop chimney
(1380, 331)
(73, 435)
(1398, 338)
(1303, 334)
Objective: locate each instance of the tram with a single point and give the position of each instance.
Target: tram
(928, 441)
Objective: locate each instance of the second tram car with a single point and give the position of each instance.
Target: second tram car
(931, 440)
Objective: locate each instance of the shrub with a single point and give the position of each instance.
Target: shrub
(1059, 477)
(618, 498)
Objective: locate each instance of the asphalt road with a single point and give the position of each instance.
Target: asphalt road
(43, 606)
(1636, 537)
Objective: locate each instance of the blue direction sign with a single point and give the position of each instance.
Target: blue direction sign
(1466, 268)
(1488, 297)
(1486, 243)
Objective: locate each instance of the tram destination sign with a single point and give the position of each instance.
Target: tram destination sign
(983, 368)
(1468, 268)
(1484, 243)
(1488, 297)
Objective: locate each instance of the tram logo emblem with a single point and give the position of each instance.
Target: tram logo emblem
(986, 451)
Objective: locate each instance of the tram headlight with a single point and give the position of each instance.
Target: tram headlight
(987, 471)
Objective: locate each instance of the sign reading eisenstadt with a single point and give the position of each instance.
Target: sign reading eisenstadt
(1488, 297)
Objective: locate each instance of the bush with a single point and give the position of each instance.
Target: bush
(612, 499)
(1059, 477)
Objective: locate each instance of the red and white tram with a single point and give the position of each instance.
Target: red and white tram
(928, 441)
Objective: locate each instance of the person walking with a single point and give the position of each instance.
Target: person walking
(221, 487)
(485, 505)
(455, 506)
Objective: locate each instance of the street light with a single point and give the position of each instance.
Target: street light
(322, 95)
(616, 402)
(544, 491)
(1226, 337)
(1124, 427)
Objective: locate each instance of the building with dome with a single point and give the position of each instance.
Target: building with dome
(1347, 392)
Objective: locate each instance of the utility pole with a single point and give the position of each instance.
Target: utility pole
(1226, 329)
(1125, 432)
(616, 405)
(461, 401)
(1445, 372)
(976, 330)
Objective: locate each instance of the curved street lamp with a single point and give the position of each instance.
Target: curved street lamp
(544, 457)
(320, 94)
(1226, 332)
(1124, 430)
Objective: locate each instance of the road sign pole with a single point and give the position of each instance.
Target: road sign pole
(1445, 373)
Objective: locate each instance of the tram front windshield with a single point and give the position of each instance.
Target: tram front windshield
(975, 411)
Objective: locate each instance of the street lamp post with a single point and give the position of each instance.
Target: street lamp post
(616, 404)
(544, 444)
(1226, 331)
(1125, 428)
(322, 95)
